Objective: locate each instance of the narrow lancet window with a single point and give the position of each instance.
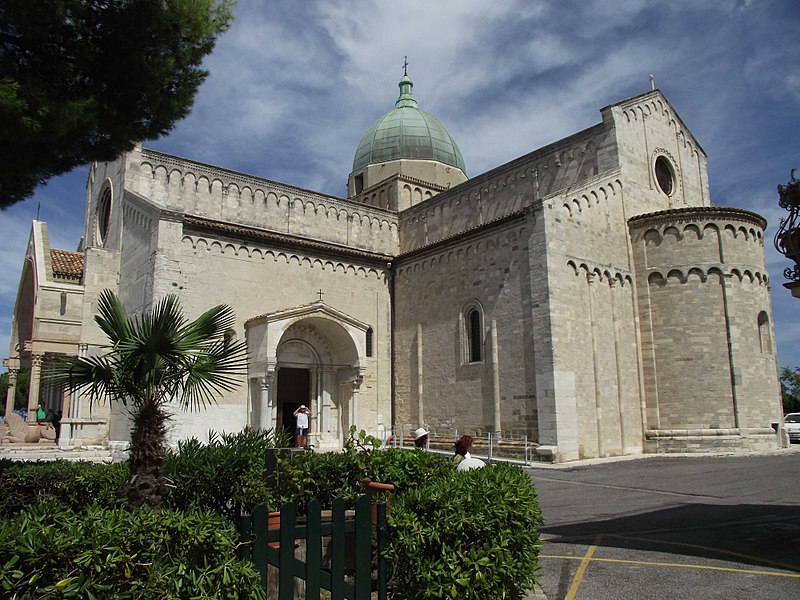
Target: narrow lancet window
(474, 335)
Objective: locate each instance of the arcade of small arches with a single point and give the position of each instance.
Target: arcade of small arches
(703, 274)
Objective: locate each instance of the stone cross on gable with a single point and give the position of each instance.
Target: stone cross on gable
(321, 294)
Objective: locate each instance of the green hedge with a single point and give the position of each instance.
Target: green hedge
(50, 551)
(226, 474)
(327, 475)
(470, 535)
(452, 534)
(70, 484)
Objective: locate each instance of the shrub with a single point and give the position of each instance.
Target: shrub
(70, 484)
(328, 475)
(469, 534)
(227, 474)
(52, 551)
(321, 475)
(406, 469)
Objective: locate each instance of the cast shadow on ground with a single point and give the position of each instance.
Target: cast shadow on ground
(757, 535)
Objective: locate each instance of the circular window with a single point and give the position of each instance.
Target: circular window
(103, 217)
(665, 175)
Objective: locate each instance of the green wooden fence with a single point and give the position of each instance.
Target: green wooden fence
(354, 540)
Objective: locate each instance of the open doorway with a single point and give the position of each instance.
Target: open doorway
(294, 389)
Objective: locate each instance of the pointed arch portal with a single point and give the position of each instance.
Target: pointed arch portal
(312, 355)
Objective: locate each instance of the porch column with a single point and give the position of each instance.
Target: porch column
(354, 407)
(317, 395)
(265, 408)
(12, 390)
(75, 410)
(33, 391)
(272, 375)
(328, 385)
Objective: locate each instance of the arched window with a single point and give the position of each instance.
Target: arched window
(763, 332)
(103, 216)
(473, 333)
(369, 342)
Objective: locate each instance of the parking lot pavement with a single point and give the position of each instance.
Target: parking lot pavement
(672, 527)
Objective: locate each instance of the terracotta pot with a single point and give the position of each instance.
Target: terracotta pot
(274, 522)
(376, 491)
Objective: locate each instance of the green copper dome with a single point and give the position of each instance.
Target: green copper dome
(407, 132)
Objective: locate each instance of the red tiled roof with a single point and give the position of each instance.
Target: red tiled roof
(66, 264)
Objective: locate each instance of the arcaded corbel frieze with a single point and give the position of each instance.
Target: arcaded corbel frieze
(697, 213)
(604, 272)
(652, 104)
(228, 177)
(703, 271)
(599, 189)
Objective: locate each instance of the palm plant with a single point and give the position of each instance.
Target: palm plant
(151, 361)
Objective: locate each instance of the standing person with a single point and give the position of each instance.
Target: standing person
(421, 438)
(463, 444)
(301, 432)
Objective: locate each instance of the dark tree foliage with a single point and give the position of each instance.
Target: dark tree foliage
(790, 389)
(83, 80)
(20, 389)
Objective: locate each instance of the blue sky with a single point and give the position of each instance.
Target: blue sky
(293, 85)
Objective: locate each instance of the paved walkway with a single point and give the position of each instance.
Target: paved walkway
(671, 527)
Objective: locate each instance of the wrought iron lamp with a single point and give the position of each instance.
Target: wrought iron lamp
(787, 239)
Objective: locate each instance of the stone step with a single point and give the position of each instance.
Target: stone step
(35, 452)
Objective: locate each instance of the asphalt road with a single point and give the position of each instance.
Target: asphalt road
(672, 527)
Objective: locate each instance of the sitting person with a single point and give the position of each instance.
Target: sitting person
(463, 444)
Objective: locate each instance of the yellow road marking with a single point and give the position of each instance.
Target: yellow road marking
(587, 558)
(717, 550)
(720, 551)
(576, 581)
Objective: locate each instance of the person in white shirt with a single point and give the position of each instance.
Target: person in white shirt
(462, 458)
(302, 415)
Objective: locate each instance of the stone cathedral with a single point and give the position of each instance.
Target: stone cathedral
(587, 295)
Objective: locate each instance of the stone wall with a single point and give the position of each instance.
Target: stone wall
(707, 339)
(194, 188)
(646, 127)
(436, 384)
(508, 188)
(255, 279)
(593, 310)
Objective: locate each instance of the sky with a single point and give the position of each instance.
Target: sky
(294, 85)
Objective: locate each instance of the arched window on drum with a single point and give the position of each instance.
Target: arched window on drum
(764, 337)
